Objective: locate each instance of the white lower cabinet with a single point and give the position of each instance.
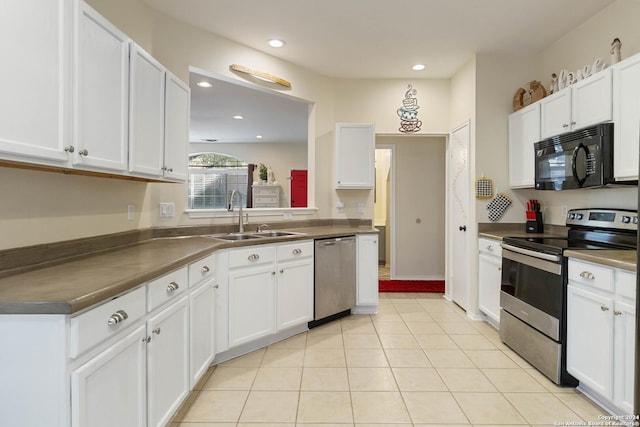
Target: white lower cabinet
(489, 278)
(167, 361)
(601, 332)
(110, 389)
(270, 289)
(202, 327)
(367, 274)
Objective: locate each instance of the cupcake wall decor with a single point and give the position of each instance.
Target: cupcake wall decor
(408, 113)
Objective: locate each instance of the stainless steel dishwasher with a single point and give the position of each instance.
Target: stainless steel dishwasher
(335, 278)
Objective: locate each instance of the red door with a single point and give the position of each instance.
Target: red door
(298, 184)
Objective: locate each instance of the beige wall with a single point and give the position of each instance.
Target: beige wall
(383, 169)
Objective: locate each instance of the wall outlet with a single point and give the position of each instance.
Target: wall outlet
(564, 211)
(167, 210)
(131, 212)
(360, 207)
(287, 216)
(340, 206)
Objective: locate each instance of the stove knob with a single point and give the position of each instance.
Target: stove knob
(572, 216)
(579, 216)
(626, 219)
(635, 220)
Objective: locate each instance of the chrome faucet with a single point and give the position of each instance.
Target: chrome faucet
(240, 223)
(261, 226)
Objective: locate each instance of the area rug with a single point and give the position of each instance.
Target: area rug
(435, 286)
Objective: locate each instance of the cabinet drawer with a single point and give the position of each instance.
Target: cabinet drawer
(490, 247)
(166, 288)
(266, 200)
(301, 249)
(98, 324)
(202, 270)
(597, 276)
(253, 255)
(626, 284)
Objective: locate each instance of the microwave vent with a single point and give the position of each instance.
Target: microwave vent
(585, 133)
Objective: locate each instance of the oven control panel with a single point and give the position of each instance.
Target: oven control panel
(621, 219)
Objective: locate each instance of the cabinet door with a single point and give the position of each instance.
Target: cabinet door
(591, 100)
(146, 114)
(590, 339)
(555, 113)
(202, 323)
(110, 389)
(168, 362)
(625, 326)
(626, 116)
(355, 152)
(251, 303)
(176, 130)
(295, 292)
(489, 277)
(367, 288)
(35, 83)
(524, 131)
(101, 91)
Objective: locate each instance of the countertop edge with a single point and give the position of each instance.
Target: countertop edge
(622, 259)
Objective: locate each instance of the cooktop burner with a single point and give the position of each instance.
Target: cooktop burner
(557, 245)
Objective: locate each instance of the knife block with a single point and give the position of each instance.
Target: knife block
(534, 223)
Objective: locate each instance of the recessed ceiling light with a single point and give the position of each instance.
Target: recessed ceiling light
(276, 43)
(204, 84)
(238, 117)
(418, 67)
(259, 136)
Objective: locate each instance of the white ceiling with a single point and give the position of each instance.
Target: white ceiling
(377, 38)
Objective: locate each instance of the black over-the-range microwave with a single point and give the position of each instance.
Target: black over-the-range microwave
(578, 159)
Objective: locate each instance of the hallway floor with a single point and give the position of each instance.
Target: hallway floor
(419, 361)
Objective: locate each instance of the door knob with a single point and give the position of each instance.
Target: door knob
(462, 228)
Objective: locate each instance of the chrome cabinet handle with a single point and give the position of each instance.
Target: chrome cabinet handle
(172, 287)
(565, 125)
(296, 251)
(489, 248)
(587, 275)
(69, 149)
(146, 340)
(253, 257)
(573, 123)
(604, 308)
(205, 269)
(84, 152)
(216, 286)
(273, 273)
(281, 270)
(617, 313)
(117, 317)
(156, 331)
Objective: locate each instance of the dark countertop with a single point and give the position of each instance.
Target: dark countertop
(68, 287)
(622, 259)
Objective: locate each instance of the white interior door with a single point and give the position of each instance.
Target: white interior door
(458, 196)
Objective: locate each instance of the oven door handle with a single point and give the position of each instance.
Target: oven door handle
(535, 254)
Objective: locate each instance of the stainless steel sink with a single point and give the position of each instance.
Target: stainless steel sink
(232, 236)
(274, 233)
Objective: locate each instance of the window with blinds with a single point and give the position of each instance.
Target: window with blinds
(212, 178)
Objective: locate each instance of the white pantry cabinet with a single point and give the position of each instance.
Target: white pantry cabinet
(601, 300)
(101, 92)
(355, 155)
(489, 278)
(366, 274)
(524, 131)
(36, 81)
(626, 118)
(582, 104)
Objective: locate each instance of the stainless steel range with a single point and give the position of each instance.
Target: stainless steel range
(534, 284)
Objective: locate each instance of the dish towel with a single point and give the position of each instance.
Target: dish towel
(498, 206)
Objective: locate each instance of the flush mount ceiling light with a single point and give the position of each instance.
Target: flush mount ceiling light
(259, 136)
(238, 117)
(418, 67)
(276, 42)
(260, 75)
(204, 84)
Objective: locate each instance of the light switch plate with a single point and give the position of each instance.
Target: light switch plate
(131, 212)
(167, 210)
(360, 207)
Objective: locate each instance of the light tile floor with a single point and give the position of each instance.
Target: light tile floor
(419, 361)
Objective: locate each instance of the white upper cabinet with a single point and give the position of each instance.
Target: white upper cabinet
(101, 107)
(176, 128)
(582, 104)
(524, 131)
(355, 155)
(34, 114)
(146, 113)
(626, 118)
